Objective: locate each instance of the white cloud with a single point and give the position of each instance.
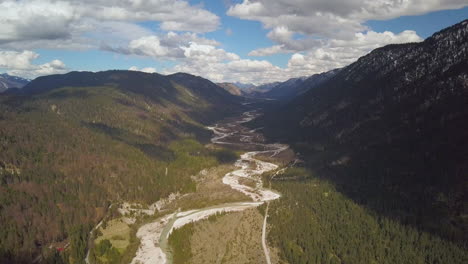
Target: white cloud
(330, 54)
(332, 18)
(280, 34)
(251, 71)
(21, 64)
(150, 46)
(319, 21)
(268, 51)
(80, 23)
(147, 69)
(174, 15)
(17, 60)
(186, 48)
(323, 35)
(339, 53)
(30, 20)
(247, 66)
(207, 53)
(327, 54)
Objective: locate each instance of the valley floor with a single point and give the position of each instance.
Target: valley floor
(233, 218)
(220, 190)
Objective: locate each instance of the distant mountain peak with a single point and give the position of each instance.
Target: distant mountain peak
(8, 81)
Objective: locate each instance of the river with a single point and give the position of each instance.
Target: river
(154, 236)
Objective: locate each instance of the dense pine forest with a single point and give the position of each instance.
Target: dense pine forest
(68, 153)
(314, 223)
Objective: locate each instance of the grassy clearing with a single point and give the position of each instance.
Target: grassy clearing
(117, 232)
(226, 238)
(113, 241)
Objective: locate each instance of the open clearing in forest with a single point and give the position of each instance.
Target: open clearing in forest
(117, 232)
(212, 242)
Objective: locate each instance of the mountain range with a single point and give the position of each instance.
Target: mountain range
(248, 89)
(282, 91)
(294, 87)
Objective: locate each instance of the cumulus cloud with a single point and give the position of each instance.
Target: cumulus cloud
(176, 15)
(317, 21)
(339, 53)
(21, 64)
(79, 23)
(236, 70)
(173, 46)
(207, 53)
(150, 46)
(29, 20)
(275, 49)
(332, 18)
(328, 55)
(323, 35)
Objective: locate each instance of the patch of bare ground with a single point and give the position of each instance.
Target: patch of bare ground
(230, 238)
(210, 190)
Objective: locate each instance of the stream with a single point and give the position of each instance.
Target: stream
(154, 236)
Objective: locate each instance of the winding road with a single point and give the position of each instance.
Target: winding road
(154, 236)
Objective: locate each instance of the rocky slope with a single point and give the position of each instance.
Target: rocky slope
(391, 130)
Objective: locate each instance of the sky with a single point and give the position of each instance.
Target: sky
(248, 41)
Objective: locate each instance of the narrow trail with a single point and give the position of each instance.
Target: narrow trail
(264, 245)
(153, 236)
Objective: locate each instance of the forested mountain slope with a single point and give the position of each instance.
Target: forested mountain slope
(72, 144)
(390, 130)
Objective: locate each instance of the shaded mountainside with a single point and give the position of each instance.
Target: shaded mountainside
(72, 144)
(284, 89)
(391, 131)
(263, 88)
(8, 81)
(296, 86)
